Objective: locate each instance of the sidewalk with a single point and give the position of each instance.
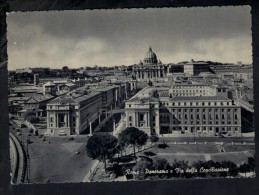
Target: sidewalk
(92, 172)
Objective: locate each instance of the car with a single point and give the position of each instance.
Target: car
(71, 138)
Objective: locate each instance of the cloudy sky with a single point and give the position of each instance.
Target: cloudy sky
(122, 37)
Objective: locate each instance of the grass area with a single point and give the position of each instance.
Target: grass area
(185, 149)
(208, 139)
(237, 157)
(234, 148)
(189, 158)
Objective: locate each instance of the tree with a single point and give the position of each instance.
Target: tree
(251, 163)
(31, 117)
(179, 167)
(133, 136)
(101, 146)
(65, 68)
(244, 168)
(140, 169)
(233, 169)
(162, 164)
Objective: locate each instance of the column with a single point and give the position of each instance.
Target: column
(147, 119)
(99, 118)
(68, 120)
(135, 119)
(48, 120)
(56, 120)
(114, 125)
(91, 131)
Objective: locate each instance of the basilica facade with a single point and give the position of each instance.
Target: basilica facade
(150, 68)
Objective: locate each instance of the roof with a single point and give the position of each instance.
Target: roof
(106, 88)
(63, 100)
(18, 98)
(31, 110)
(144, 99)
(73, 98)
(200, 98)
(39, 98)
(163, 94)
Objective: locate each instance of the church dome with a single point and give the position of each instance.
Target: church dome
(150, 57)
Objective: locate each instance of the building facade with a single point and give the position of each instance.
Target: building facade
(205, 114)
(151, 68)
(71, 115)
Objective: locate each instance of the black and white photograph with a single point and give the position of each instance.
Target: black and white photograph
(122, 95)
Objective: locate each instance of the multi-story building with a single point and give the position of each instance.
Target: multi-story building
(110, 96)
(72, 114)
(151, 68)
(205, 114)
(191, 90)
(195, 68)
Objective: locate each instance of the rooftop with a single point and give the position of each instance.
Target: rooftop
(198, 98)
(143, 99)
(73, 98)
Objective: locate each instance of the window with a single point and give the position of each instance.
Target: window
(130, 118)
(141, 117)
(129, 105)
(51, 119)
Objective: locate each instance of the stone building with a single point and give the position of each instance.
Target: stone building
(206, 114)
(150, 69)
(72, 114)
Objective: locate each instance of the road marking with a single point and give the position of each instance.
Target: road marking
(67, 148)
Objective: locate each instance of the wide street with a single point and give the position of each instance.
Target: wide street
(57, 159)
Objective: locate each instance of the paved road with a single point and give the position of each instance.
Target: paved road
(51, 161)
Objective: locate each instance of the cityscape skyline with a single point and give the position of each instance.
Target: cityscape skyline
(217, 34)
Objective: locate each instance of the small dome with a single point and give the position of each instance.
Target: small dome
(140, 62)
(150, 57)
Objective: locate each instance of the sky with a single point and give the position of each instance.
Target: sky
(122, 36)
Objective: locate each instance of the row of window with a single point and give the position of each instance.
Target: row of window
(217, 129)
(204, 110)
